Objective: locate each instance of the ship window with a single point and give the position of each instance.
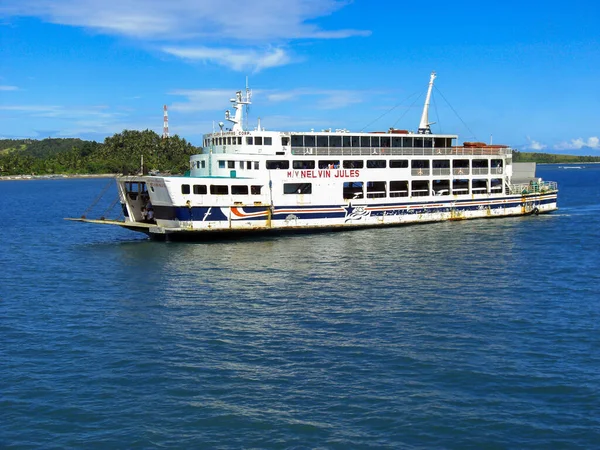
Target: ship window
(217, 189)
(418, 143)
(479, 186)
(385, 141)
(258, 140)
(248, 165)
(420, 163)
(354, 164)
(365, 141)
(229, 140)
(303, 164)
(441, 164)
(297, 140)
(376, 189)
(346, 141)
(203, 164)
(255, 190)
(200, 189)
(297, 188)
(398, 188)
(322, 141)
(440, 143)
(376, 164)
(281, 164)
(441, 187)
(480, 163)
(241, 164)
(407, 142)
(355, 141)
(239, 190)
(375, 141)
(335, 141)
(353, 189)
(428, 142)
(231, 164)
(285, 141)
(460, 187)
(268, 140)
(221, 164)
(256, 165)
(309, 141)
(420, 188)
(249, 140)
(496, 185)
(185, 189)
(396, 142)
(329, 164)
(398, 163)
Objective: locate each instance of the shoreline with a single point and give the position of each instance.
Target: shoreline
(55, 177)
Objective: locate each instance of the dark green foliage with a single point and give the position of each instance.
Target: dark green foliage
(121, 153)
(549, 158)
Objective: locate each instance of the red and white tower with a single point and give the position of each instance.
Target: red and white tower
(165, 122)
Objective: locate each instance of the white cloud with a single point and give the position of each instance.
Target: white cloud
(579, 143)
(534, 145)
(241, 20)
(240, 60)
(218, 99)
(8, 88)
(201, 100)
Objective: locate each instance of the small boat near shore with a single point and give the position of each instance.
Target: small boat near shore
(253, 180)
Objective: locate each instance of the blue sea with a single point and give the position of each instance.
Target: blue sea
(473, 334)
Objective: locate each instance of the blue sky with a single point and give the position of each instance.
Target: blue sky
(520, 73)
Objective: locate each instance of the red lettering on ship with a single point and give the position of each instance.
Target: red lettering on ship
(323, 173)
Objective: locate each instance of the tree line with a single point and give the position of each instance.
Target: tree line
(121, 153)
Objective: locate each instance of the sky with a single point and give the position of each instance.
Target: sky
(521, 73)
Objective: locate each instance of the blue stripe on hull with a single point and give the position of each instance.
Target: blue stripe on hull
(308, 212)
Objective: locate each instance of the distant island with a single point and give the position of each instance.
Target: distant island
(123, 152)
(551, 158)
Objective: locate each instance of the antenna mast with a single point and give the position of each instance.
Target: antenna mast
(165, 122)
(424, 125)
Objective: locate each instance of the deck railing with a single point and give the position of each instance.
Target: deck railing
(366, 151)
(533, 187)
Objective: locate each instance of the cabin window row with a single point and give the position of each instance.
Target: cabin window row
(419, 188)
(336, 164)
(200, 164)
(441, 167)
(369, 141)
(237, 140)
(247, 165)
(220, 189)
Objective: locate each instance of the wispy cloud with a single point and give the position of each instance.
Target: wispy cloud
(579, 143)
(8, 88)
(324, 99)
(241, 20)
(240, 60)
(534, 145)
(200, 100)
(216, 99)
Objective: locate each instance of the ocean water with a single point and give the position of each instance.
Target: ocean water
(473, 334)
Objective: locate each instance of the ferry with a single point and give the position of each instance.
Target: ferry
(256, 180)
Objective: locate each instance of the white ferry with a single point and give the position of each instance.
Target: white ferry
(262, 181)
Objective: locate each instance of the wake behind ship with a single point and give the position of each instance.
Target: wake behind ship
(256, 180)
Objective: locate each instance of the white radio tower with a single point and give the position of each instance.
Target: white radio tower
(165, 122)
